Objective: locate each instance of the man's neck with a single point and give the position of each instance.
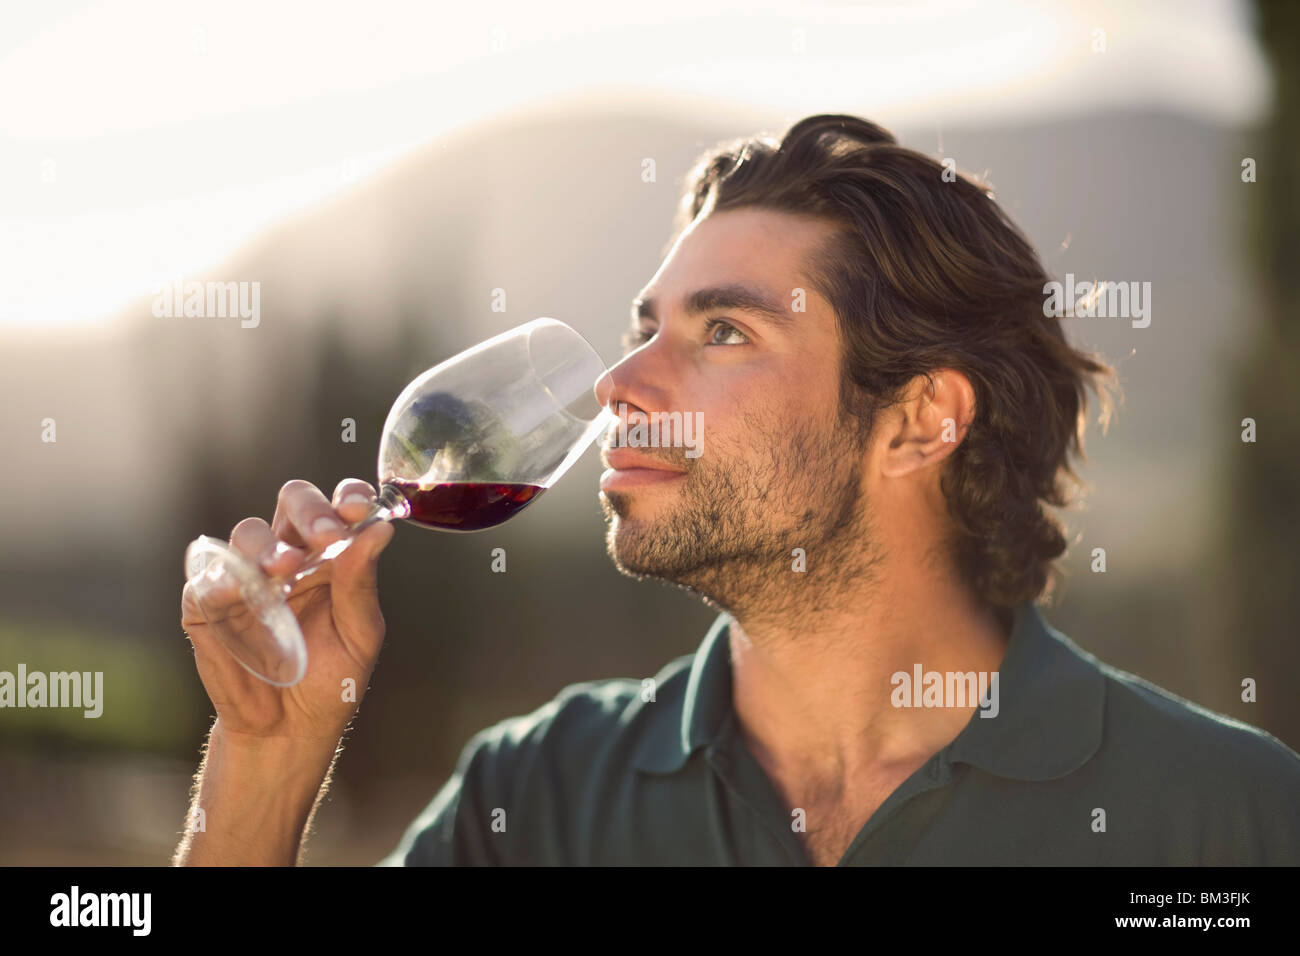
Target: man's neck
(813, 691)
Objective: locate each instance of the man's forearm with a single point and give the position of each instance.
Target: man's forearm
(257, 796)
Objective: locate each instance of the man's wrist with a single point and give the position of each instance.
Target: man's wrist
(272, 748)
(256, 795)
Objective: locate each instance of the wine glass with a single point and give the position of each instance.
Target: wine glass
(467, 445)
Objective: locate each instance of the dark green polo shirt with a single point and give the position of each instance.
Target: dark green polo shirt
(599, 776)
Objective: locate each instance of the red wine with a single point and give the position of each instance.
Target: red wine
(465, 505)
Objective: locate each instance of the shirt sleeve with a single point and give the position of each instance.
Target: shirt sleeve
(1259, 824)
(539, 770)
(449, 832)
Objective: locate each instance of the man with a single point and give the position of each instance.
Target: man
(888, 411)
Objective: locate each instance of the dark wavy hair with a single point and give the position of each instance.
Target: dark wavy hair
(925, 271)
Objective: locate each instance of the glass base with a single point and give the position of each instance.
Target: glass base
(246, 611)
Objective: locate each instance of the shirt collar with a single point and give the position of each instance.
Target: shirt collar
(1049, 722)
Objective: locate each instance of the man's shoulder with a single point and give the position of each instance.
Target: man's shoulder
(586, 726)
(527, 788)
(1206, 787)
(1145, 719)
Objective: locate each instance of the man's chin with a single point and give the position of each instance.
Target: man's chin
(643, 541)
(628, 542)
(621, 541)
(631, 517)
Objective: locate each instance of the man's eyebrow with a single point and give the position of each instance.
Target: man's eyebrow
(741, 298)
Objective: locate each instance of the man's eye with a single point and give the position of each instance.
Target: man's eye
(730, 334)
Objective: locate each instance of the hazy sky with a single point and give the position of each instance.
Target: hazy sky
(147, 139)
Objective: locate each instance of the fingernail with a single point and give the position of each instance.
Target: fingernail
(325, 525)
(272, 553)
(356, 498)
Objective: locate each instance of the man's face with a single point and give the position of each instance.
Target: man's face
(780, 465)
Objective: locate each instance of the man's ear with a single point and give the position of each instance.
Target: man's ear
(929, 423)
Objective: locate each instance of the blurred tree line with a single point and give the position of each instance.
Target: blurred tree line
(1260, 554)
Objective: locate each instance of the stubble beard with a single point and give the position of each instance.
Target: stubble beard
(730, 534)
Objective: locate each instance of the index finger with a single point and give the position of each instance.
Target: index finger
(304, 517)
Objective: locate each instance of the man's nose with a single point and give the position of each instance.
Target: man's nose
(623, 378)
(642, 379)
(605, 388)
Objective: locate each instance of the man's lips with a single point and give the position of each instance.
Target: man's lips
(629, 469)
(626, 459)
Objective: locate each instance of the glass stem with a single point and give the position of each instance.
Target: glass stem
(388, 506)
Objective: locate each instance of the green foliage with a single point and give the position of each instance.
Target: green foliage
(142, 707)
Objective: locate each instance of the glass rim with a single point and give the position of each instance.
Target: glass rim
(603, 410)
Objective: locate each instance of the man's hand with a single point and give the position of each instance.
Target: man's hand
(272, 747)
